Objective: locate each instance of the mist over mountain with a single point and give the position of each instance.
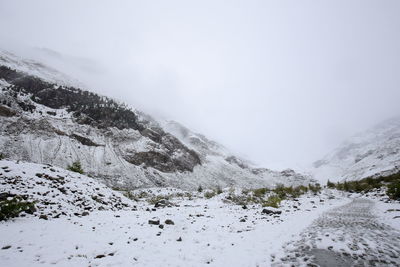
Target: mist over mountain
(278, 85)
(373, 153)
(199, 133)
(47, 120)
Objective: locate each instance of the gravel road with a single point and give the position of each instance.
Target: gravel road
(349, 235)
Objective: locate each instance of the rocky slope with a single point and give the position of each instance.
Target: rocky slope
(45, 119)
(372, 153)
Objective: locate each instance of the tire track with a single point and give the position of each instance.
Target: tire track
(349, 235)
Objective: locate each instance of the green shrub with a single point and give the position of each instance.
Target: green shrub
(293, 192)
(75, 167)
(260, 192)
(117, 188)
(200, 189)
(129, 195)
(258, 195)
(272, 201)
(1, 156)
(142, 194)
(360, 187)
(218, 190)
(297, 192)
(154, 199)
(240, 199)
(282, 191)
(329, 184)
(394, 190)
(209, 194)
(367, 184)
(180, 194)
(316, 188)
(245, 191)
(12, 208)
(303, 188)
(345, 186)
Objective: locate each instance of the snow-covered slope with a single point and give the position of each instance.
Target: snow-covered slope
(374, 152)
(211, 151)
(37, 69)
(44, 119)
(57, 192)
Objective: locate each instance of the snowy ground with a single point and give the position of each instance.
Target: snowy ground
(211, 232)
(115, 231)
(364, 232)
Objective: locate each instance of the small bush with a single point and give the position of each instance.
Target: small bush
(218, 190)
(293, 192)
(209, 194)
(314, 188)
(153, 200)
(240, 199)
(368, 184)
(329, 184)
(394, 190)
(245, 191)
(12, 208)
(180, 194)
(142, 194)
(117, 188)
(260, 192)
(129, 195)
(76, 167)
(200, 189)
(297, 192)
(272, 201)
(258, 195)
(2, 156)
(303, 188)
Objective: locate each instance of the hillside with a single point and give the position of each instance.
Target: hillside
(45, 119)
(375, 152)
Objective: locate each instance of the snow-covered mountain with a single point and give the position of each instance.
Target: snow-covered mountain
(374, 152)
(46, 119)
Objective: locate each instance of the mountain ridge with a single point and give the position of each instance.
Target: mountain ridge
(375, 152)
(47, 122)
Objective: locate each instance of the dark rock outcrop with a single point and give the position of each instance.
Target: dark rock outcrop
(6, 112)
(83, 140)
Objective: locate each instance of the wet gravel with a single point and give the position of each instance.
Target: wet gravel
(349, 235)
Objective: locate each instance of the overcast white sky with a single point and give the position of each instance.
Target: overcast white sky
(282, 82)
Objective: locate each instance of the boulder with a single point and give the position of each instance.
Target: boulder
(163, 203)
(169, 222)
(154, 221)
(271, 212)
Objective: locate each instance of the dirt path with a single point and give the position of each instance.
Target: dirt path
(346, 236)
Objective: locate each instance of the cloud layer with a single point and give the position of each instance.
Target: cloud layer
(282, 82)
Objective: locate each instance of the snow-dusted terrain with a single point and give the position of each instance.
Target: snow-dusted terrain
(57, 192)
(138, 205)
(190, 230)
(116, 231)
(370, 153)
(350, 235)
(36, 68)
